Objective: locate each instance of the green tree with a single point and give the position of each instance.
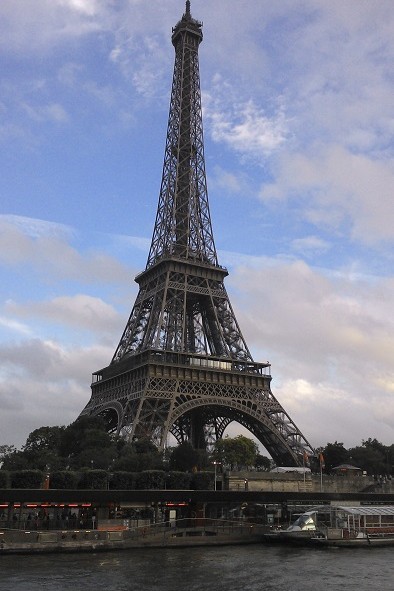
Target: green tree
(122, 480)
(236, 452)
(184, 457)
(63, 480)
(127, 461)
(144, 446)
(138, 456)
(26, 479)
(86, 443)
(262, 463)
(390, 460)
(334, 454)
(42, 448)
(93, 479)
(73, 440)
(149, 479)
(368, 459)
(202, 481)
(372, 456)
(4, 480)
(178, 480)
(10, 458)
(149, 457)
(16, 460)
(5, 451)
(43, 438)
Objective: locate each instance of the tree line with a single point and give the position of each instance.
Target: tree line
(372, 456)
(84, 455)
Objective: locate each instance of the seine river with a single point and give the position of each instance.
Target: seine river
(233, 568)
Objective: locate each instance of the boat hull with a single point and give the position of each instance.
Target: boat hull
(362, 542)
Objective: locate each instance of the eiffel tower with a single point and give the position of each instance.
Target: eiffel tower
(182, 365)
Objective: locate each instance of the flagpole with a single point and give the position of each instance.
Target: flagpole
(321, 461)
(321, 476)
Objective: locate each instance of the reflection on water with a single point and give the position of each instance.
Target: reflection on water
(235, 568)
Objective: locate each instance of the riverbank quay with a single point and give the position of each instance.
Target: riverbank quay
(183, 533)
(47, 509)
(50, 520)
(105, 497)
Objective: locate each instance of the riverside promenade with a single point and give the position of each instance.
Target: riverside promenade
(10, 497)
(160, 518)
(183, 532)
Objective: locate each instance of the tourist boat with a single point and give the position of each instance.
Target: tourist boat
(364, 525)
(303, 528)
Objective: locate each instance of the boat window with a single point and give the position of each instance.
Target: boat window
(304, 521)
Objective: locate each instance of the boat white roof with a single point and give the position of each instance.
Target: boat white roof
(358, 510)
(298, 469)
(369, 510)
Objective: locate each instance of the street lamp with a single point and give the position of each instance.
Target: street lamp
(215, 463)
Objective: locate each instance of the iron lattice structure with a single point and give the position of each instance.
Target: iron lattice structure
(182, 365)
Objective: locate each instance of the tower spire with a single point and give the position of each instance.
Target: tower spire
(188, 8)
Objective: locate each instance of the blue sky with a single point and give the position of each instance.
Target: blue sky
(298, 123)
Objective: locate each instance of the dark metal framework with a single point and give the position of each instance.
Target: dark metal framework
(182, 365)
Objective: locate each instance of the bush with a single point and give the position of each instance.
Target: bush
(93, 479)
(178, 480)
(150, 479)
(27, 479)
(202, 481)
(3, 479)
(63, 480)
(122, 481)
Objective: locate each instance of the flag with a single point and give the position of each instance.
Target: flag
(321, 460)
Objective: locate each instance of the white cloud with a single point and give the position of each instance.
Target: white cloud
(22, 243)
(43, 383)
(52, 112)
(310, 245)
(335, 187)
(138, 242)
(228, 180)
(36, 228)
(325, 413)
(42, 24)
(244, 126)
(81, 311)
(330, 340)
(14, 325)
(88, 7)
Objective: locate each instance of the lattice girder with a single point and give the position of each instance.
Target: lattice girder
(183, 224)
(166, 405)
(183, 308)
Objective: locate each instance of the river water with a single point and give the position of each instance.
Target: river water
(230, 568)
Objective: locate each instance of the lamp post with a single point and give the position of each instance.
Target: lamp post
(137, 512)
(215, 463)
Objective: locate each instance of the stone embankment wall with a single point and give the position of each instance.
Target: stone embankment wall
(295, 482)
